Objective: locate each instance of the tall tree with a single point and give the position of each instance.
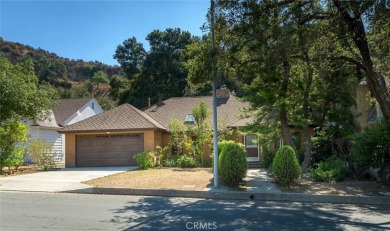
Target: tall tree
(20, 95)
(130, 55)
(357, 16)
(277, 56)
(161, 74)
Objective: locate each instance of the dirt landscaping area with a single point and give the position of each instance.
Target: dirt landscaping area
(200, 178)
(24, 169)
(349, 186)
(164, 178)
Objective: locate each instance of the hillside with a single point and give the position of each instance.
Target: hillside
(52, 68)
(71, 78)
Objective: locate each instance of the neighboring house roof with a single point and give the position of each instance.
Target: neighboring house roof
(124, 117)
(50, 122)
(67, 107)
(228, 109)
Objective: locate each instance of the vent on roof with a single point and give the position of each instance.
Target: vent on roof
(189, 119)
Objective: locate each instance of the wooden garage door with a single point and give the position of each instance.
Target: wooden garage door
(108, 150)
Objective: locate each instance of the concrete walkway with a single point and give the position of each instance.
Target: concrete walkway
(259, 182)
(62, 180)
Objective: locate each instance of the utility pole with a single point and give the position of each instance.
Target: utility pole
(215, 127)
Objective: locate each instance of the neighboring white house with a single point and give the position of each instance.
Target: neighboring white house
(67, 112)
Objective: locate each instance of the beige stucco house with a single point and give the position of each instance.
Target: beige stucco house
(113, 137)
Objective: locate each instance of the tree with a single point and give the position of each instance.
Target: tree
(200, 128)
(130, 56)
(355, 16)
(160, 73)
(117, 85)
(278, 51)
(20, 95)
(99, 78)
(176, 128)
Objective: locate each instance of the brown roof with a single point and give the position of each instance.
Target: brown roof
(242, 122)
(67, 107)
(124, 117)
(50, 122)
(228, 109)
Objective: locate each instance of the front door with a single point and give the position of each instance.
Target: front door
(252, 147)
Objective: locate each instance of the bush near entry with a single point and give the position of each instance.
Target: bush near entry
(232, 163)
(285, 166)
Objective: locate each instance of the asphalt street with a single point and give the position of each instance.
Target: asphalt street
(61, 211)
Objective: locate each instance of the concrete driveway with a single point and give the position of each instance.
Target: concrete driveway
(63, 180)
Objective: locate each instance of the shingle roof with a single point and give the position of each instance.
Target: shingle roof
(67, 107)
(124, 117)
(49, 122)
(228, 109)
(241, 122)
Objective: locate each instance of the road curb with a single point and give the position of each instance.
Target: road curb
(230, 195)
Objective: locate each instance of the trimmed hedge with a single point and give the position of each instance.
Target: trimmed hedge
(232, 163)
(285, 166)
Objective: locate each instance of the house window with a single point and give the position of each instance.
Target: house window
(93, 105)
(251, 141)
(374, 115)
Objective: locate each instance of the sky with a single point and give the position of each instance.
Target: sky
(92, 29)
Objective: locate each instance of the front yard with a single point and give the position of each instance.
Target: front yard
(158, 178)
(200, 178)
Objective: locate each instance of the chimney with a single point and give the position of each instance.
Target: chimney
(223, 92)
(148, 102)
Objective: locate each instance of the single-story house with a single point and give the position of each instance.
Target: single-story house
(67, 112)
(113, 137)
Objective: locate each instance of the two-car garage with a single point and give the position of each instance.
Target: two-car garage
(108, 150)
(111, 138)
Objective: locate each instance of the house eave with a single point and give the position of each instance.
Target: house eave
(112, 130)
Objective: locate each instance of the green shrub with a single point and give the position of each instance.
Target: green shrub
(371, 146)
(15, 158)
(186, 162)
(285, 166)
(169, 162)
(267, 156)
(11, 133)
(329, 171)
(160, 155)
(144, 160)
(41, 154)
(223, 144)
(333, 141)
(232, 163)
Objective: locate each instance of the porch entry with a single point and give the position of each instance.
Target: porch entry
(252, 148)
